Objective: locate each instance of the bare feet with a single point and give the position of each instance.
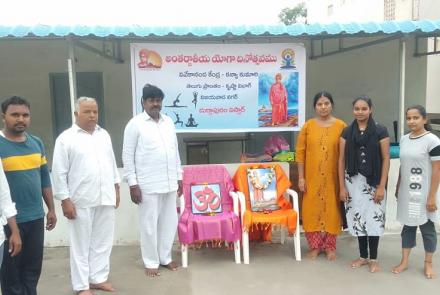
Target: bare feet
(105, 286)
(171, 266)
(374, 266)
(400, 268)
(429, 272)
(359, 262)
(312, 254)
(84, 292)
(331, 255)
(152, 272)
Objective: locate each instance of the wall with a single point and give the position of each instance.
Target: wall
(127, 223)
(24, 71)
(430, 9)
(404, 9)
(344, 11)
(433, 86)
(353, 10)
(25, 65)
(374, 71)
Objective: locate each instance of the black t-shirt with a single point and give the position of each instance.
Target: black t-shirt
(362, 158)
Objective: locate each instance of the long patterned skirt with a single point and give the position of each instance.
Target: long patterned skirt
(364, 216)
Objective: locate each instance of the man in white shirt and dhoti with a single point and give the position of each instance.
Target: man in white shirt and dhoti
(153, 172)
(86, 180)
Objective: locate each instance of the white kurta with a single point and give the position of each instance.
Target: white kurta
(84, 170)
(151, 160)
(151, 154)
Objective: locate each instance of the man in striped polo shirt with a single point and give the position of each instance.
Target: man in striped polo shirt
(24, 162)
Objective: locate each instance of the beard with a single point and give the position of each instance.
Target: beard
(17, 129)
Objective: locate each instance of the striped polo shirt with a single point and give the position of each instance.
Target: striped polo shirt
(27, 172)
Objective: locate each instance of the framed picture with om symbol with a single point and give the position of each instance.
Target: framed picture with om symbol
(262, 184)
(206, 198)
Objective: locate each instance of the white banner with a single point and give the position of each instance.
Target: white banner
(224, 87)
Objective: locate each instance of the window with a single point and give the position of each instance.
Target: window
(389, 10)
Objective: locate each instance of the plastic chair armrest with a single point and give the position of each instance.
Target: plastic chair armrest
(294, 195)
(182, 203)
(242, 201)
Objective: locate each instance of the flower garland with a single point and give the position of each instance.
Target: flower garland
(256, 181)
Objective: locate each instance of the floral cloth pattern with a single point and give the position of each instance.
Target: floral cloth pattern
(364, 216)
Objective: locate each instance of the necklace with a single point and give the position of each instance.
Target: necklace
(256, 181)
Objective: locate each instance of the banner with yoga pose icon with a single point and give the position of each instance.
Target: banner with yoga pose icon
(224, 87)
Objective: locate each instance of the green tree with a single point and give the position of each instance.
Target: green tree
(290, 16)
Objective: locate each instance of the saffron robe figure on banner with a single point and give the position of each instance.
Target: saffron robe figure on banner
(278, 100)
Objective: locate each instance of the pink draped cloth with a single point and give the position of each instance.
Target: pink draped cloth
(224, 226)
(278, 100)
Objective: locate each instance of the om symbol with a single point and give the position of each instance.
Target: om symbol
(207, 200)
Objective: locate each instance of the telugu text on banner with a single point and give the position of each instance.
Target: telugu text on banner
(224, 87)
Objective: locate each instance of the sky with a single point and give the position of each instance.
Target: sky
(142, 12)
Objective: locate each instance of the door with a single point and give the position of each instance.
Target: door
(88, 84)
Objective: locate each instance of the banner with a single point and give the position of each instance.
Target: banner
(224, 87)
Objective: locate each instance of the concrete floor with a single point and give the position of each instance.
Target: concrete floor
(273, 270)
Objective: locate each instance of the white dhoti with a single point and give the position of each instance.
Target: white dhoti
(91, 239)
(158, 225)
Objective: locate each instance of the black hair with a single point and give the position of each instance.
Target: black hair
(422, 112)
(364, 98)
(151, 91)
(319, 95)
(14, 100)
